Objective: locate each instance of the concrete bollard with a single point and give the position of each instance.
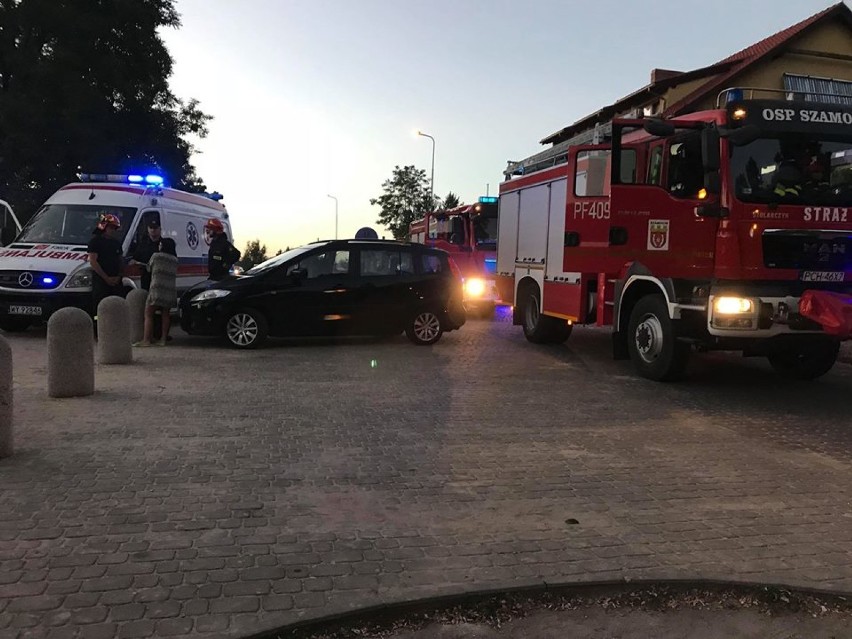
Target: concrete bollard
(70, 354)
(136, 301)
(6, 442)
(114, 345)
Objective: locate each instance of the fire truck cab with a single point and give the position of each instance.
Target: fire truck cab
(728, 229)
(469, 234)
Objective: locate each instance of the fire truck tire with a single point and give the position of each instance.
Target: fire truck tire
(537, 327)
(15, 324)
(560, 330)
(246, 328)
(652, 341)
(425, 328)
(806, 361)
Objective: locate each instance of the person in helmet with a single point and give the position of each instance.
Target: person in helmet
(105, 258)
(222, 254)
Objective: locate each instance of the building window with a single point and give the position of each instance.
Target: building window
(812, 89)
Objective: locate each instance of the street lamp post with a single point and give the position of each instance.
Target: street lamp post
(432, 181)
(335, 215)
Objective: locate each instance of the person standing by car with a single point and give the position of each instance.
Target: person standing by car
(162, 295)
(106, 261)
(148, 245)
(222, 254)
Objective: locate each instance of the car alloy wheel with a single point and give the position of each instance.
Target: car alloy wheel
(242, 330)
(427, 326)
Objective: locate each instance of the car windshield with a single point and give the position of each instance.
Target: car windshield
(277, 260)
(72, 223)
(794, 169)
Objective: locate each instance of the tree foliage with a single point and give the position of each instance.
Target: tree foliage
(84, 87)
(405, 198)
(254, 254)
(451, 201)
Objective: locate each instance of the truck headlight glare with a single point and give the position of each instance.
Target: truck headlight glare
(733, 306)
(474, 287)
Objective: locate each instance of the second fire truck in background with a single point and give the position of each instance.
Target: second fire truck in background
(469, 234)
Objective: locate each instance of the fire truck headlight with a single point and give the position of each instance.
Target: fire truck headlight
(474, 287)
(212, 294)
(735, 313)
(733, 306)
(80, 279)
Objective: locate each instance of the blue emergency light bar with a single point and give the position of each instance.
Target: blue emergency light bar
(484, 199)
(149, 180)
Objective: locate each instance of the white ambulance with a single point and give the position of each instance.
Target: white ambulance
(46, 267)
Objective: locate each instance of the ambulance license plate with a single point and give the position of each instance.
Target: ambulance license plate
(25, 310)
(823, 276)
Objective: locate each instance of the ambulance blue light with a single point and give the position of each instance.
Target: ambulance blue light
(488, 200)
(135, 179)
(47, 281)
(154, 179)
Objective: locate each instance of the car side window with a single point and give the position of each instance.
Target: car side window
(431, 263)
(379, 262)
(323, 264)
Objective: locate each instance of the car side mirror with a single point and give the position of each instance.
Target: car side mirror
(298, 275)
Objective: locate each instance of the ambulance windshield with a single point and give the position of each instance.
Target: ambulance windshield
(71, 223)
(794, 169)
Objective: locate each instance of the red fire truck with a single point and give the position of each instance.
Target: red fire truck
(469, 233)
(728, 229)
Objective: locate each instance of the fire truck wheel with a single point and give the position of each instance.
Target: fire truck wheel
(806, 361)
(246, 328)
(425, 328)
(537, 328)
(15, 324)
(560, 330)
(652, 342)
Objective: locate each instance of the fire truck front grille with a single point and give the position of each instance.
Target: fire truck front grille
(819, 251)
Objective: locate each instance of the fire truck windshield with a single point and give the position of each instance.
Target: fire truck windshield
(72, 223)
(793, 169)
(485, 229)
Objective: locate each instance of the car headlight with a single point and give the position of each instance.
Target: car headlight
(80, 279)
(474, 287)
(212, 294)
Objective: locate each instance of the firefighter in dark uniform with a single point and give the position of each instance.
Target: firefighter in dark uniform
(106, 260)
(222, 254)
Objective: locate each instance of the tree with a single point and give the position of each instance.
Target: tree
(451, 201)
(254, 254)
(84, 88)
(406, 197)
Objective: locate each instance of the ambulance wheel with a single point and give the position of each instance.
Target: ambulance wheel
(536, 325)
(425, 328)
(652, 341)
(806, 361)
(15, 324)
(246, 328)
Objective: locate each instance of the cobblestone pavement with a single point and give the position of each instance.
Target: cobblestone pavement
(209, 492)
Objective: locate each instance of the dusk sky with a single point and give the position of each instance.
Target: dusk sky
(318, 97)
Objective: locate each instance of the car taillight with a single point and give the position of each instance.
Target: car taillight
(455, 269)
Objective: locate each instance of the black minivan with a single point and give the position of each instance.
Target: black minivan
(332, 288)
